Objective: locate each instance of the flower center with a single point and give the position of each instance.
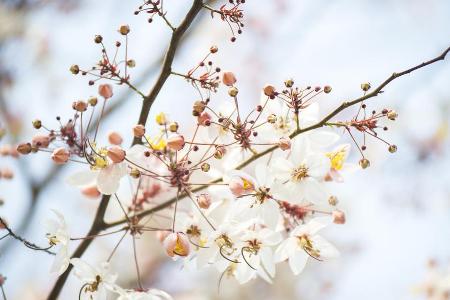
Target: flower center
(93, 287)
(52, 239)
(299, 173)
(262, 195)
(337, 159)
(306, 244)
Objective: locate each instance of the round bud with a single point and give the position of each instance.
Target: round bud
(205, 167)
(105, 90)
(24, 148)
(131, 63)
(199, 106)
(220, 152)
(228, 78)
(333, 200)
(204, 201)
(124, 29)
(161, 118)
(327, 89)
(338, 217)
(135, 173)
(392, 115)
(272, 119)
(60, 155)
(79, 106)
(289, 83)
(392, 148)
(177, 244)
(74, 69)
(365, 86)
(364, 163)
(114, 138)
(173, 127)
(37, 124)
(269, 90)
(98, 39)
(213, 49)
(175, 142)
(138, 130)
(233, 91)
(116, 154)
(284, 143)
(92, 101)
(91, 191)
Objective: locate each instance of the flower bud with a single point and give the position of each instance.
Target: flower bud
(161, 118)
(203, 119)
(24, 148)
(105, 90)
(220, 152)
(173, 127)
(37, 124)
(131, 63)
(74, 69)
(90, 191)
(175, 142)
(176, 244)
(272, 119)
(199, 106)
(364, 163)
(40, 141)
(98, 39)
(92, 101)
(138, 130)
(79, 106)
(6, 173)
(338, 217)
(60, 155)
(116, 154)
(205, 167)
(233, 91)
(327, 89)
(114, 138)
(204, 201)
(392, 115)
(365, 86)
(228, 78)
(135, 173)
(289, 83)
(392, 148)
(333, 200)
(269, 90)
(213, 49)
(284, 143)
(124, 29)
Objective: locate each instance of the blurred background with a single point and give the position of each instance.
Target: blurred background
(398, 210)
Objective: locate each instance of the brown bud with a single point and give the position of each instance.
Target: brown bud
(116, 154)
(333, 200)
(135, 173)
(327, 89)
(105, 90)
(338, 217)
(364, 163)
(74, 69)
(213, 49)
(269, 90)
(175, 142)
(205, 167)
(272, 119)
(114, 138)
(173, 127)
(233, 91)
(79, 106)
(228, 78)
(92, 101)
(98, 39)
(60, 155)
(220, 152)
(392, 148)
(131, 63)
(289, 83)
(7, 174)
(37, 124)
(284, 143)
(392, 115)
(138, 130)
(199, 106)
(24, 148)
(124, 29)
(365, 86)
(40, 141)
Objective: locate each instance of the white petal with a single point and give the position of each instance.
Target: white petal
(327, 250)
(318, 165)
(267, 260)
(323, 139)
(83, 270)
(82, 178)
(297, 261)
(61, 261)
(282, 168)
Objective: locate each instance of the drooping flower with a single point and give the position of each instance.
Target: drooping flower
(58, 236)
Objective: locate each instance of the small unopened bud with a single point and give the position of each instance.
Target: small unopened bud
(24, 148)
(161, 118)
(289, 83)
(116, 154)
(37, 124)
(327, 89)
(74, 69)
(233, 91)
(60, 155)
(205, 167)
(392, 115)
(228, 78)
(333, 200)
(269, 90)
(213, 49)
(90, 192)
(105, 90)
(114, 138)
(204, 118)
(338, 217)
(365, 86)
(175, 142)
(199, 106)
(177, 244)
(92, 101)
(284, 143)
(272, 118)
(220, 152)
(98, 39)
(173, 127)
(131, 63)
(124, 29)
(135, 173)
(7, 174)
(240, 186)
(392, 148)
(364, 163)
(138, 130)
(204, 201)
(40, 141)
(79, 106)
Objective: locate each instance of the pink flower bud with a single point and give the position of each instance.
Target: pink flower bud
(79, 106)
(203, 119)
(91, 191)
(116, 154)
(228, 78)
(105, 90)
(240, 186)
(139, 130)
(115, 138)
(176, 244)
(284, 144)
(338, 217)
(40, 141)
(60, 155)
(161, 235)
(24, 148)
(175, 142)
(6, 173)
(204, 201)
